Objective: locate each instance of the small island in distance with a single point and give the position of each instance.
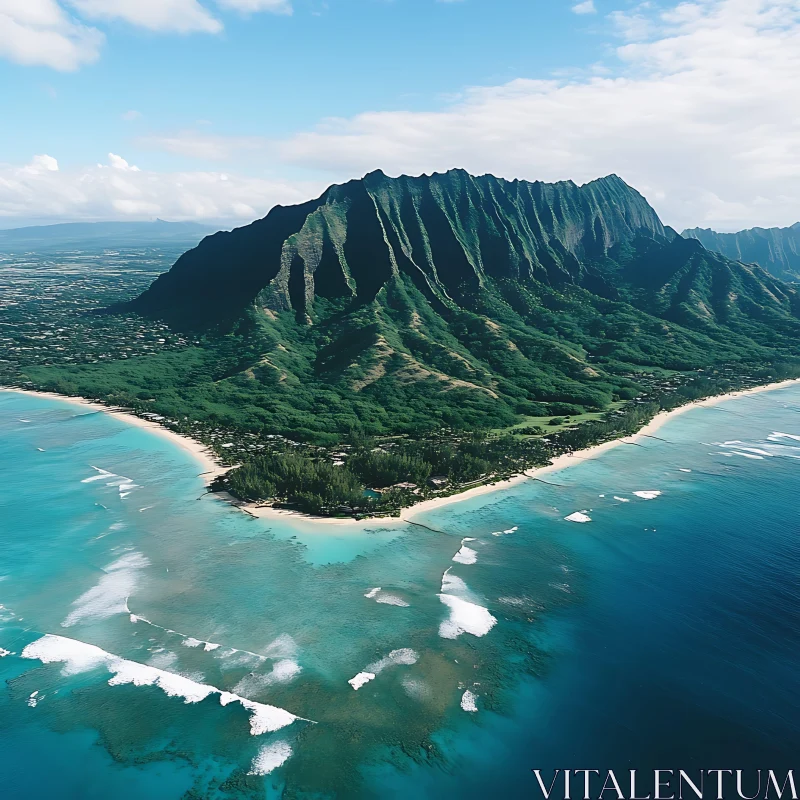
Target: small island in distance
(399, 339)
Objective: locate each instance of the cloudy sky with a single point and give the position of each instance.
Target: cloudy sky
(218, 109)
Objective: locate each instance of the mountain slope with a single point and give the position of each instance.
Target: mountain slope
(777, 250)
(448, 233)
(399, 305)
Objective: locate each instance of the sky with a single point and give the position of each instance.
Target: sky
(216, 110)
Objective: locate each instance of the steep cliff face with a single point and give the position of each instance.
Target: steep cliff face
(448, 233)
(466, 300)
(777, 250)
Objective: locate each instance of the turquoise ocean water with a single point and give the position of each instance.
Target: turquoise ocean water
(149, 636)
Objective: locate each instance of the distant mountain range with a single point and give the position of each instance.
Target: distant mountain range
(75, 235)
(777, 250)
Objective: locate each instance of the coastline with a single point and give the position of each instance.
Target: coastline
(205, 458)
(560, 463)
(212, 467)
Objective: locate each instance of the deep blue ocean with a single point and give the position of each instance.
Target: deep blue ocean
(149, 636)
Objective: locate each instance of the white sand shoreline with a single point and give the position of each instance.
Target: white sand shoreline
(207, 460)
(212, 467)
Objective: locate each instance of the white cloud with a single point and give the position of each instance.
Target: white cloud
(38, 32)
(130, 116)
(587, 7)
(42, 163)
(40, 190)
(179, 16)
(118, 162)
(253, 6)
(700, 118)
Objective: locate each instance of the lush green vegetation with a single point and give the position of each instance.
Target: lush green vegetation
(395, 331)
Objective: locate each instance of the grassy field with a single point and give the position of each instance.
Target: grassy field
(569, 422)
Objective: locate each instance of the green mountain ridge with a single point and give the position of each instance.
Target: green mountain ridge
(467, 301)
(777, 250)
(396, 329)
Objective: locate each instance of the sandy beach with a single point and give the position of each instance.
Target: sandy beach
(212, 468)
(558, 464)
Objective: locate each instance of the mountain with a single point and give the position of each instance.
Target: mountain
(396, 305)
(448, 235)
(77, 235)
(777, 250)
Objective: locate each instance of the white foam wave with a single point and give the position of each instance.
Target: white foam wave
(385, 598)
(110, 595)
(468, 701)
(578, 516)
(391, 600)
(747, 455)
(282, 647)
(404, 655)
(359, 680)
(452, 584)
(465, 617)
(270, 757)
(506, 532)
(683, 469)
(648, 494)
(80, 657)
(466, 555)
(779, 435)
(102, 474)
(4, 653)
(622, 499)
(284, 671)
(757, 450)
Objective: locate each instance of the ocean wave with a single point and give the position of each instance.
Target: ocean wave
(270, 757)
(578, 516)
(282, 672)
(101, 475)
(757, 450)
(779, 435)
(391, 600)
(466, 555)
(468, 701)
(4, 653)
(78, 657)
(465, 617)
(282, 647)
(404, 656)
(622, 499)
(649, 494)
(385, 598)
(110, 595)
(452, 584)
(359, 680)
(506, 532)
